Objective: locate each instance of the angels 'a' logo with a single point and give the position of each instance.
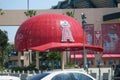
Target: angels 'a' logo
(66, 33)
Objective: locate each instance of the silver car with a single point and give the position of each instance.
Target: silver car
(9, 78)
(63, 75)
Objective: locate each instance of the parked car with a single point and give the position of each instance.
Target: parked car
(63, 75)
(117, 72)
(9, 78)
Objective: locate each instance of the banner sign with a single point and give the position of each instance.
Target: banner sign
(89, 28)
(111, 37)
(97, 38)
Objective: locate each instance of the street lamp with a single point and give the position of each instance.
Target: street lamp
(84, 51)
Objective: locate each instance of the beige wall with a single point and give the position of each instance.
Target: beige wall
(94, 16)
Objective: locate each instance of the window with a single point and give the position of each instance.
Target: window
(79, 76)
(39, 76)
(64, 76)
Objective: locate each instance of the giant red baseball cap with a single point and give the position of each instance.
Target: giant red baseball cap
(51, 31)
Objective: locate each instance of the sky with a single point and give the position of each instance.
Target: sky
(22, 5)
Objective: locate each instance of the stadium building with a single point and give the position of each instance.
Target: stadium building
(102, 29)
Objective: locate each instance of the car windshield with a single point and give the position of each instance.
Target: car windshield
(39, 76)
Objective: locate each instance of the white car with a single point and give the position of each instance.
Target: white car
(63, 75)
(9, 78)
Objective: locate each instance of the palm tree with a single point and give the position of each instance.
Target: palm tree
(1, 12)
(71, 14)
(30, 13)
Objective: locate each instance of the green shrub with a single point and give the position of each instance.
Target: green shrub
(70, 65)
(31, 67)
(1, 68)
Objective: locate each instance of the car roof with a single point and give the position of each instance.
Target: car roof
(55, 72)
(62, 71)
(66, 70)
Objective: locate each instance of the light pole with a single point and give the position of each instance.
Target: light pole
(84, 51)
(112, 67)
(99, 64)
(27, 4)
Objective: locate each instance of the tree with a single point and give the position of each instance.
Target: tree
(30, 13)
(71, 14)
(50, 60)
(10, 49)
(3, 45)
(54, 55)
(1, 12)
